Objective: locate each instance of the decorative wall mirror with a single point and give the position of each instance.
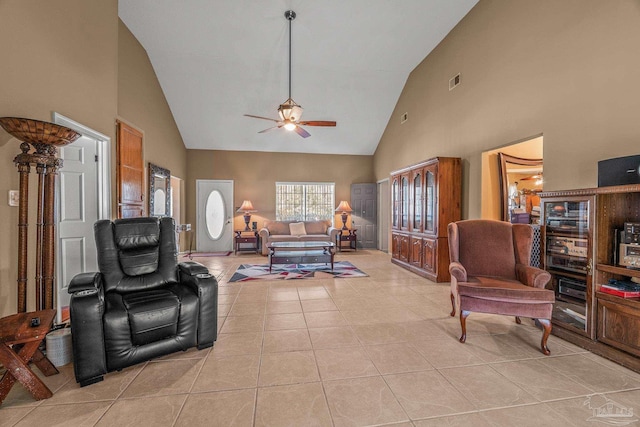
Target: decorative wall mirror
(520, 181)
(159, 191)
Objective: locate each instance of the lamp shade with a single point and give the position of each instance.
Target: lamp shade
(247, 206)
(344, 207)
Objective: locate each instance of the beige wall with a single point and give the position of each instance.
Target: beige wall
(74, 57)
(255, 174)
(56, 56)
(565, 69)
(142, 104)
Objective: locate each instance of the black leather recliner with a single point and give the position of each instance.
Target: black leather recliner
(142, 304)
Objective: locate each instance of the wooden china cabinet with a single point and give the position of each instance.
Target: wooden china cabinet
(425, 198)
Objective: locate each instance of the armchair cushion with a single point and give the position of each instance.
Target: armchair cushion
(502, 290)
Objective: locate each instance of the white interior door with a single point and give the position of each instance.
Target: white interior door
(83, 193)
(214, 222)
(77, 212)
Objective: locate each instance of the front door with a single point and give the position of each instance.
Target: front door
(214, 221)
(77, 212)
(364, 217)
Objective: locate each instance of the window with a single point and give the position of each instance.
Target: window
(297, 201)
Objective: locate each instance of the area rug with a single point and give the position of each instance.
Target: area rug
(341, 270)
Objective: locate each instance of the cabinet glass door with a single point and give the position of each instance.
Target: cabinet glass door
(417, 202)
(568, 259)
(430, 200)
(405, 203)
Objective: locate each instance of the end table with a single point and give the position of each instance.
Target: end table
(20, 337)
(251, 237)
(351, 237)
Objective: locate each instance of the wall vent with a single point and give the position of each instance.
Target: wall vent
(454, 81)
(404, 118)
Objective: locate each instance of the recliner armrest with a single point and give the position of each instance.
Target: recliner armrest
(192, 268)
(532, 276)
(85, 282)
(196, 276)
(458, 271)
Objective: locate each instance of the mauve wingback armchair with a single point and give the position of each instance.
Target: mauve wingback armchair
(491, 273)
(142, 304)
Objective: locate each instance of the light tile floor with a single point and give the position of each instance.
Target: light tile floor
(380, 350)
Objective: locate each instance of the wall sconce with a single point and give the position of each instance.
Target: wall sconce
(247, 207)
(344, 208)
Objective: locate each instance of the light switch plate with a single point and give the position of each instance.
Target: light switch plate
(14, 197)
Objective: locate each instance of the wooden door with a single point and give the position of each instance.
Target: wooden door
(416, 252)
(429, 255)
(129, 172)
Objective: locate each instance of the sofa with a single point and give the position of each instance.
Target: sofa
(280, 231)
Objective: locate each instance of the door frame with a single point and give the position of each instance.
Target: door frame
(199, 220)
(104, 161)
(384, 220)
(103, 177)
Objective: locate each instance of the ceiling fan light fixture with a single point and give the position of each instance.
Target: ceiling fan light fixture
(290, 111)
(289, 125)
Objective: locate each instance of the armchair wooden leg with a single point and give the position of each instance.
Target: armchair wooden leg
(453, 305)
(518, 321)
(463, 324)
(546, 323)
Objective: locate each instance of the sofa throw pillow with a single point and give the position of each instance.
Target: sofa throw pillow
(297, 229)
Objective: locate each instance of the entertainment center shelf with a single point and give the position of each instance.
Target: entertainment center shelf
(584, 256)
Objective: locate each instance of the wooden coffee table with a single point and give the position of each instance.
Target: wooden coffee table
(301, 253)
(19, 342)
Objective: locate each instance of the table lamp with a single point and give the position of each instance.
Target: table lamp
(247, 207)
(344, 208)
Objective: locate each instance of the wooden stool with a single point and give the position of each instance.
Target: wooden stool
(19, 342)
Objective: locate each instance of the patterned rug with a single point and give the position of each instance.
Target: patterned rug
(341, 269)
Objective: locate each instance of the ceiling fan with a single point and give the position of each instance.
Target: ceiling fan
(289, 111)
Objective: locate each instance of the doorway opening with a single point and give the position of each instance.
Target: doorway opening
(516, 180)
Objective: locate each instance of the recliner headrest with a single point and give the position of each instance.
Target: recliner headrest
(137, 233)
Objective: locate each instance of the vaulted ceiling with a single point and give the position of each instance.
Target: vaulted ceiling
(218, 60)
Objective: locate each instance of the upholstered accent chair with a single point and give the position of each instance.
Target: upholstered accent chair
(491, 273)
(142, 304)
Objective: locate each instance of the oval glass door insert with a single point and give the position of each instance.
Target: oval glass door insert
(214, 215)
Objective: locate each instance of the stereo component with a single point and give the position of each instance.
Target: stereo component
(619, 171)
(629, 255)
(631, 233)
(568, 246)
(573, 288)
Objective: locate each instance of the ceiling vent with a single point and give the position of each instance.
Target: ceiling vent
(404, 118)
(454, 81)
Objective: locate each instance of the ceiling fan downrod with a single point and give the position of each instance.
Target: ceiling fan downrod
(290, 15)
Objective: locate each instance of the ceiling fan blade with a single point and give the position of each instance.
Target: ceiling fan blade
(317, 123)
(303, 133)
(263, 118)
(271, 128)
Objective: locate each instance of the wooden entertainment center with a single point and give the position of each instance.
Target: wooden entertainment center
(425, 198)
(580, 229)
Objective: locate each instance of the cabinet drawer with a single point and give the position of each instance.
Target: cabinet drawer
(246, 240)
